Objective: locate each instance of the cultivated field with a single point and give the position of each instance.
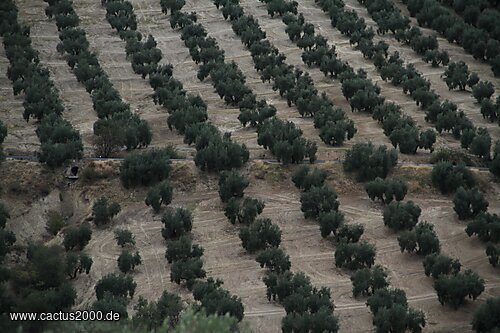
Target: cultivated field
(31, 190)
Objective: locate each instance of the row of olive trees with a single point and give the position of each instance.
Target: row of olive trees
(469, 203)
(443, 114)
(187, 266)
(188, 113)
(389, 17)
(389, 306)
(214, 152)
(60, 142)
(362, 94)
(475, 40)
(307, 308)
(291, 83)
(117, 127)
(229, 83)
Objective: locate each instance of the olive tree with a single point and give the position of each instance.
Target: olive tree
(423, 240)
(366, 281)
(401, 215)
(469, 203)
(160, 194)
(452, 289)
(103, 211)
(354, 255)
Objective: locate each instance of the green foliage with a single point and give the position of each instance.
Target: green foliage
(319, 321)
(391, 312)
(111, 303)
(40, 282)
(335, 133)
(452, 289)
(399, 318)
(481, 144)
(127, 261)
(422, 240)
(118, 285)
(120, 15)
(220, 154)
(77, 237)
(244, 211)
(7, 239)
(493, 253)
(495, 163)
(487, 316)
(182, 249)
(329, 222)
(124, 237)
(122, 129)
(350, 233)
(448, 177)
(172, 5)
(369, 163)
(176, 223)
(469, 203)
(231, 184)
(146, 168)
(490, 110)
(386, 190)
(482, 90)
(60, 141)
(318, 200)
(285, 141)
(199, 322)
(457, 75)
(77, 264)
(55, 222)
(436, 264)
(274, 259)
(4, 215)
(260, 235)
(486, 227)
(103, 211)
(304, 178)
(354, 256)
(303, 303)
(366, 281)
(160, 194)
(152, 315)
(187, 270)
(217, 301)
(401, 215)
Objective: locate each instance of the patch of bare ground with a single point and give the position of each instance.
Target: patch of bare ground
(455, 51)
(464, 99)
(110, 51)
(29, 191)
(45, 37)
(21, 138)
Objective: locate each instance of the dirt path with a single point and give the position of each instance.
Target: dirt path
(464, 99)
(77, 102)
(110, 50)
(21, 137)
